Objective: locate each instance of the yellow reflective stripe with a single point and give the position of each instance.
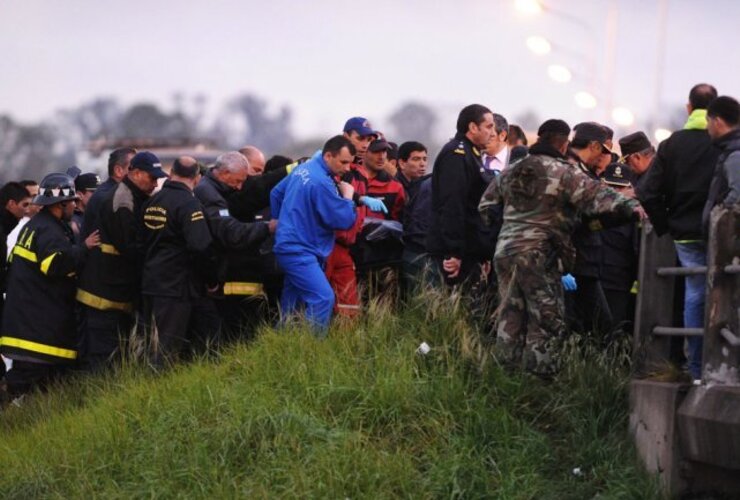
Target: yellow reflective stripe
(96, 302)
(40, 348)
(242, 288)
(109, 249)
(26, 254)
(46, 263)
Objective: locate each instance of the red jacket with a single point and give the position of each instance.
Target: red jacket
(358, 178)
(389, 191)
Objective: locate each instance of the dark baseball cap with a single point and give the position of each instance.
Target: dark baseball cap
(87, 182)
(592, 131)
(148, 162)
(618, 175)
(379, 145)
(359, 125)
(634, 143)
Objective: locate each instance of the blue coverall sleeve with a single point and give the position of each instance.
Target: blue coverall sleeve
(276, 197)
(334, 211)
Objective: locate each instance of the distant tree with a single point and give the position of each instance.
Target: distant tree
(528, 120)
(28, 150)
(413, 121)
(246, 120)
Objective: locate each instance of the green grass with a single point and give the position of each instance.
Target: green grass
(358, 415)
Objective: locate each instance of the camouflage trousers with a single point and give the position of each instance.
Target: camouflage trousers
(531, 311)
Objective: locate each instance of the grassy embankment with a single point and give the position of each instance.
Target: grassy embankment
(359, 415)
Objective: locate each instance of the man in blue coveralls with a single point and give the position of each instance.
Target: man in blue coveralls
(310, 205)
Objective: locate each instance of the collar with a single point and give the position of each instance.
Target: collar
(220, 186)
(134, 188)
(464, 139)
(697, 120)
(175, 185)
(542, 148)
(726, 140)
(402, 179)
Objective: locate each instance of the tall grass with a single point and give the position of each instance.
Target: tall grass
(359, 415)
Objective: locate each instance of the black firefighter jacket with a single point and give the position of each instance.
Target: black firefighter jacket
(177, 241)
(111, 279)
(458, 182)
(39, 322)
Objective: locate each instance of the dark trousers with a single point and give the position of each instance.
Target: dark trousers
(242, 315)
(104, 336)
(182, 325)
(25, 376)
(587, 309)
(622, 306)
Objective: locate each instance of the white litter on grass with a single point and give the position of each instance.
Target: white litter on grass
(577, 472)
(423, 349)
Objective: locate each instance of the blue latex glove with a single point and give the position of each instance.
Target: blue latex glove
(569, 283)
(373, 204)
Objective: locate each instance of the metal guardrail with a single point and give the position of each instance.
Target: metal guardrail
(678, 332)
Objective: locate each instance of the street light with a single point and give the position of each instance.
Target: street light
(623, 116)
(529, 7)
(585, 100)
(661, 134)
(559, 73)
(539, 45)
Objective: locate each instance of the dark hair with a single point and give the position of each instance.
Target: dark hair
(500, 123)
(118, 157)
(726, 108)
(276, 162)
(12, 191)
(334, 145)
(609, 132)
(554, 139)
(516, 133)
(473, 113)
(580, 143)
(28, 182)
(701, 95)
(408, 147)
(184, 167)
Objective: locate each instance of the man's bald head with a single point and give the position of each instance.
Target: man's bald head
(256, 159)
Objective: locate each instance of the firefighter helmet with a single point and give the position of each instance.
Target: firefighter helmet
(55, 188)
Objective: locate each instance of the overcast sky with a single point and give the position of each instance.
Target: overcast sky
(331, 59)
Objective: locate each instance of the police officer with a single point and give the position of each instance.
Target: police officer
(543, 197)
(458, 241)
(39, 329)
(85, 185)
(619, 253)
(178, 265)
(110, 282)
(241, 293)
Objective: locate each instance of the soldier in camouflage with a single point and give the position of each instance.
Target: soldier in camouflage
(542, 197)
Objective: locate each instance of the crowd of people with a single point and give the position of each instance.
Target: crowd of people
(541, 240)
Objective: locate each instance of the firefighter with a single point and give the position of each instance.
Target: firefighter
(110, 282)
(39, 330)
(178, 265)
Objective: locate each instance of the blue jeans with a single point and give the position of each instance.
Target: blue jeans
(690, 255)
(306, 285)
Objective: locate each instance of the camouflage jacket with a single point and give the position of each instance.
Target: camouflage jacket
(543, 199)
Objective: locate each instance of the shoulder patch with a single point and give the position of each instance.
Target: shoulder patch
(459, 151)
(155, 217)
(123, 198)
(196, 216)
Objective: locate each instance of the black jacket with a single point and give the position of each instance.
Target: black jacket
(39, 321)
(111, 279)
(177, 241)
(458, 182)
(725, 186)
(92, 211)
(417, 214)
(254, 195)
(619, 252)
(674, 190)
(235, 240)
(587, 240)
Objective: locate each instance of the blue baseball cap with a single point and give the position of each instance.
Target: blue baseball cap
(359, 125)
(148, 162)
